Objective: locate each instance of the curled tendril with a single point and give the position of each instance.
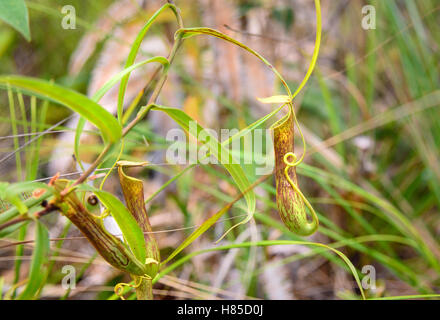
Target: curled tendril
(297, 162)
(119, 288)
(292, 164)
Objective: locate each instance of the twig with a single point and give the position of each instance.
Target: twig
(50, 208)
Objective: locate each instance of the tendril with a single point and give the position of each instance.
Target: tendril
(119, 288)
(294, 162)
(103, 215)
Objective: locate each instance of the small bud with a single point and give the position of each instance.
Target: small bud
(92, 200)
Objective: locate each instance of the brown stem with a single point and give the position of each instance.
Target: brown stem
(89, 171)
(135, 121)
(157, 90)
(38, 215)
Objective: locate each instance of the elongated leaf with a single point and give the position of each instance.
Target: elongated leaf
(197, 233)
(15, 133)
(126, 222)
(11, 197)
(20, 187)
(87, 108)
(40, 257)
(134, 51)
(106, 87)
(225, 143)
(15, 13)
(11, 229)
(225, 158)
(13, 192)
(190, 32)
(13, 212)
(123, 74)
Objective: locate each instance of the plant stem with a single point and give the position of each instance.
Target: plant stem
(135, 121)
(107, 148)
(37, 215)
(145, 289)
(90, 170)
(158, 87)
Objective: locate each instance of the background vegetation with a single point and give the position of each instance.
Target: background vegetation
(369, 116)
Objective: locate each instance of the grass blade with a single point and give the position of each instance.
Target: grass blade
(40, 258)
(87, 108)
(102, 91)
(225, 158)
(134, 51)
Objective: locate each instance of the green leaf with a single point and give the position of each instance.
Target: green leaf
(87, 108)
(126, 222)
(38, 269)
(13, 212)
(13, 198)
(6, 232)
(125, 73)
(20, 187)
(13, 192)
(15, 13)
(107, 86)
(234, 169)
(197, 233)
(190, 32)
(238, 135)
(134, 51)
